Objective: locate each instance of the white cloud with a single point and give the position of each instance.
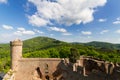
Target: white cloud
(3, 1)
(21, 31)
(28, 32)
(58, 29)
(86, 32)
(89, 37)
(102, 20)
(38, 31)
(104, 31)
(66, 12)
(7, 27)
(36, 20)
(66, 34)
(6, 37)
(117, 21)
(118, 18)
(18, 33)
(51, 35)
(118, 31)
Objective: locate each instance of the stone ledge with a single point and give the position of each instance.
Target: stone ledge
(40, 59)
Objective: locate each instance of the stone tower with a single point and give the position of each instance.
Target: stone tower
(16, 53)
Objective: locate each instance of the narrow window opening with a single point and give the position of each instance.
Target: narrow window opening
(46, 68)
(39, 72)
(47, 77)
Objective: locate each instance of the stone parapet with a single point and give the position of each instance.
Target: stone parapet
(16, 42)
(40, 59)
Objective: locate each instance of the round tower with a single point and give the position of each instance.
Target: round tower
(16, 52)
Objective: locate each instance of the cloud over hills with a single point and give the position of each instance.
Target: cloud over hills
(21, 31)
(104, 31)
(67, 12)
(57, 29)
(86, 32)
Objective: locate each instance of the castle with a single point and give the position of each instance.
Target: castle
(86, 68)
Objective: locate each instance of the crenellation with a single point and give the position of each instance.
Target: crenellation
(16, 43)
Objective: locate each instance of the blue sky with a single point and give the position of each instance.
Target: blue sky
(66, 20)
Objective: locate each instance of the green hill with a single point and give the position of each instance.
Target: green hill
(103, 45)
(39, 43)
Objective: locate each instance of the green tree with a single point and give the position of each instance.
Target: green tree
(64, 52)
(54, 53)
(74, 55)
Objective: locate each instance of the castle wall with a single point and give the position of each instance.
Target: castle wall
(27, 68)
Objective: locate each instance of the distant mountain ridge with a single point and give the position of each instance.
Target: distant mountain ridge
(47, 42)
(44, 42)
(104, 45)
(38, 43)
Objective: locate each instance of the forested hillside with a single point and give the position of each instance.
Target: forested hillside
(4, 57)
(103, 45)
(45, 47)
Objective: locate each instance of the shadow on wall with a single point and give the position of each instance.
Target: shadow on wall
(1, 75)
(93, 71)
(66, 71)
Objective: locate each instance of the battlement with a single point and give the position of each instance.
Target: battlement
(16, 42)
